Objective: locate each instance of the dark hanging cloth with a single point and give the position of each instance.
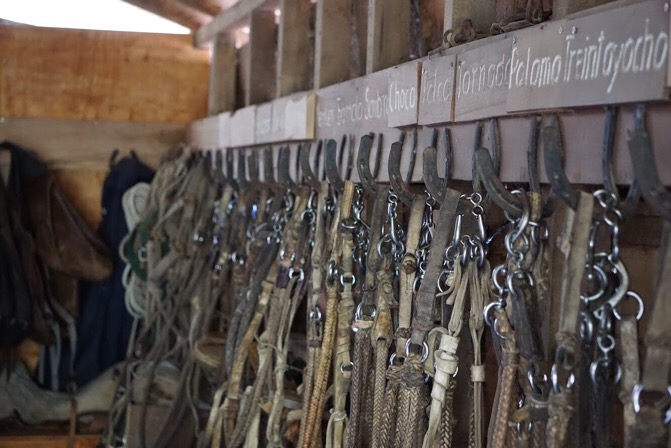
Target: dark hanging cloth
(104, 324)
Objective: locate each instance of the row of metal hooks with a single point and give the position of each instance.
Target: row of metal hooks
(485, 162)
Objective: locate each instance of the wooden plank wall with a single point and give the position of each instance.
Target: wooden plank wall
(52, 78)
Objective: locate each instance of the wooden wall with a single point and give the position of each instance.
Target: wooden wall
(141, 89)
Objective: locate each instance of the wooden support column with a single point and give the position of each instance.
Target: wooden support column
(481, 12)
(388, 34)
(221, 95)
(361, 18)
(293, 62)
(332, 42)
(262, 46)
(562, 8)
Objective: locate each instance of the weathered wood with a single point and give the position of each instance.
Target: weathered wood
(388, 42)
(221, 96)
(264, 123)
(175, 11)
(101, 75)
(616, 56)
(88, 144)
(481, 12)
(332, 42)
(204, 133)
(262, 46)
(431, 17)
(235, 16)
(360, 46)
(293, 118)
(48, 441)
(437, 90)
(562, 8)
(243, 121)
(403, 95)
(209, 7)
(293, 61)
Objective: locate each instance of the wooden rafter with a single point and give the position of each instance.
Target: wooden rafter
(232, 17)
(209, 7)
(175, 11)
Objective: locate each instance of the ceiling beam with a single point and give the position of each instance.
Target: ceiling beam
(234, 16)
(175, 11)
(209, 7)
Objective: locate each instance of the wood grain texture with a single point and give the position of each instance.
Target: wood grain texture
(293, 61)
(110, 76)
(262, 48)
(221, 96)
(388, 34)
(332, 42)
(89, 144)
(234, 16)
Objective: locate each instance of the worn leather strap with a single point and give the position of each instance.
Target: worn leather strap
(573, 244)
(408, 270)
(422, 321)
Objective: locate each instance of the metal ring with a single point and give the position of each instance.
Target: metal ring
(344, 369)
(315, 314)
(641, 306)
(296, 273)
(554, 376)
(605, 363)
(498, 305)
(425, 350)
(347, 278)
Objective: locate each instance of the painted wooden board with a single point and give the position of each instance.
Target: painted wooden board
(293, 117)
(437, 90)
(243, 126)
(481, 81)
(204, 133)
(88, 144)
(224, 130)
(403, 94)
(616, 56)
(263, 126)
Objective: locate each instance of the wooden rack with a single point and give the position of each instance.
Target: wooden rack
(565, 67)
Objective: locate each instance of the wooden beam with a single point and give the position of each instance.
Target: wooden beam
(262, 47)
(481, 12)
(361, 19)
(175, 11)
(88, 144)
(293, 63)
(49, 441)
(332, 42)
(388, 34)
(237, 15)
(209, 7)
(221, 95)
(562, 8)
(432, 14)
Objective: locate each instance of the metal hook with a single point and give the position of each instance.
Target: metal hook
(645, 173)
(378, 156)
(268, 166)
(283, 173)
(398, 185)
(297, 165)
(242, 170)
(493, 185)
(363, 164)
(253, 167)
(230, 177)
(436, 185)
(331, 167)
(628, 206)
(318, 157)
(350, 158)
(495, 157)
(413, 158)
(310, 177)
(532, 162)
(554, 164)
(219, 167)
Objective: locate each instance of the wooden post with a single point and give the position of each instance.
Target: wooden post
(293, 62)
(562, 8)
(361, 17)
(262, 47)
(221, 95)
(388, 34)
(481, 12)
(332, 42)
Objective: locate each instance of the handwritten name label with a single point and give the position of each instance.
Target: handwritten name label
(481, 86)
(402, 94)
(243, 127)
(611, 57)
(436, 92)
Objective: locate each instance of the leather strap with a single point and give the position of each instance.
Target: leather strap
(422, 321)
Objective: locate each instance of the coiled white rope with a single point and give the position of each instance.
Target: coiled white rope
(134, 202)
